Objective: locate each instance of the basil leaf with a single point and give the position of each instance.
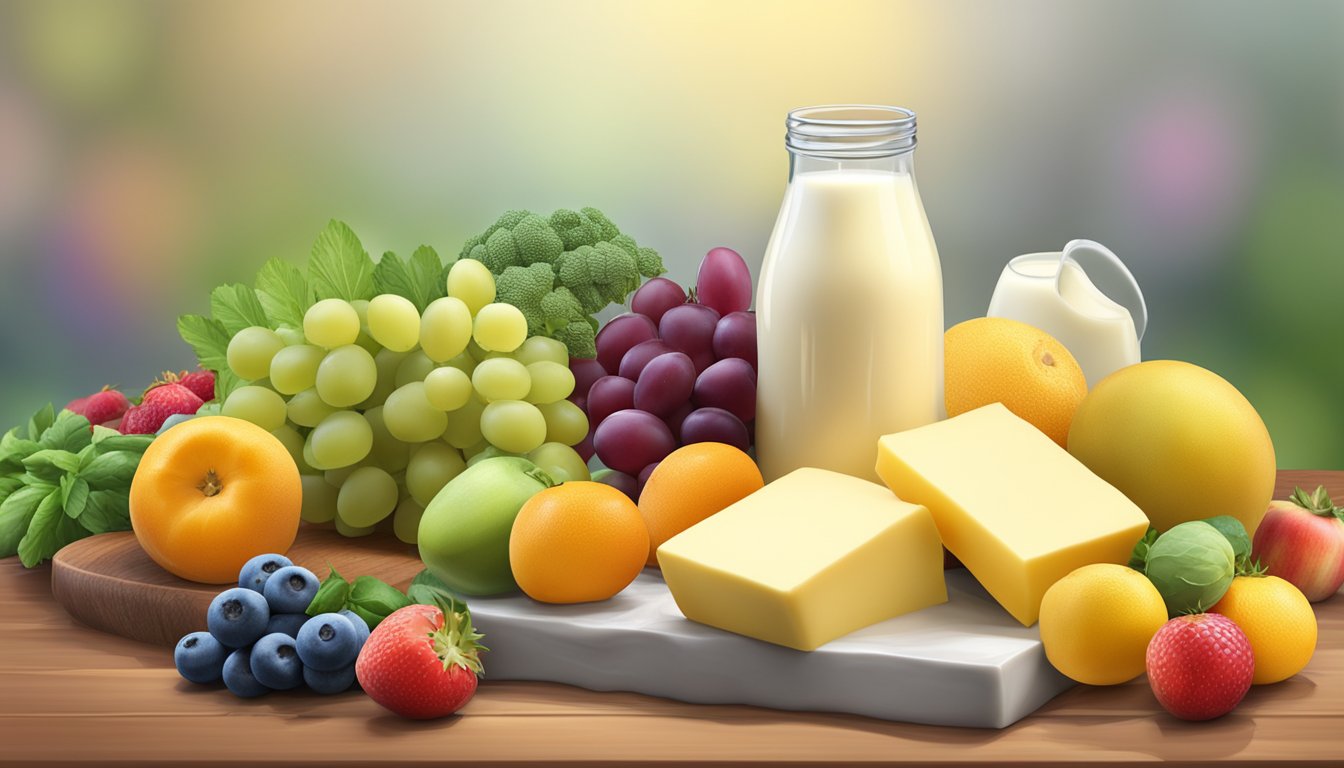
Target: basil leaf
(236, 306)
(370, 618)
(8, 485)
(428, 589)
(49, 464)
(339, 267)
(1139, 557)
(284, 293)
(422, 279)
(106, 511)
(377, 596)
(44, 531)
(207, 338)
(70, 432)
(40, 421)
(135, 444)
(111, 471)
(331, 595)
(16, 513)
(74, 495)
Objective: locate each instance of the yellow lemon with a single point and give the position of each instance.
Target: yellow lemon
(1278, 621)
(1097, 621)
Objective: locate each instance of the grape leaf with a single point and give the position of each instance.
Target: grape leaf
(339, 267)
(284, 293)
(106, 511)
(236, 307)
(226, 381)
(422, 279)
(207, 338)
(16, 513)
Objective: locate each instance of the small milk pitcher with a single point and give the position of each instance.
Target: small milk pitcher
(1056, 293)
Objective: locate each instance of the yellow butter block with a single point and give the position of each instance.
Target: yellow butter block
(1016, 509)
(808, 558)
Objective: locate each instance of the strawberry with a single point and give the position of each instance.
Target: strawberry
(422, 661)
(173, 397)
(201, 383)
(1200, 666)
(105, 405)
(144, 419)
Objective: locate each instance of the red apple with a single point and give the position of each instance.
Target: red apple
(1302, 541)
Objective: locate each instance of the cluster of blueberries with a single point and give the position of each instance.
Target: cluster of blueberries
(260, 639)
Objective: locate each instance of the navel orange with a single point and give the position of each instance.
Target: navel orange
(692, 483)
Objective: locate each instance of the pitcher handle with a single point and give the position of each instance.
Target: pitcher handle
(1131, 297)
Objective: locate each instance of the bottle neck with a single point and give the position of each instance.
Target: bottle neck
(903, 163)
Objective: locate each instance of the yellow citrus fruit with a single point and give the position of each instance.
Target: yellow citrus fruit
(211, 494)
(1097, 621)
(997, 360)
(692, 483)
(577, 542)
(1277, 619)
(1179, 441)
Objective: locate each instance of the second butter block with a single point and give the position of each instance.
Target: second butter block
(1016, 509)
(810, 557)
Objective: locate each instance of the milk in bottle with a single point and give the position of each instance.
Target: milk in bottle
(849, 303)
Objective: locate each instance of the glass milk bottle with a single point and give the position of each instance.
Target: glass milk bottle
(849, 307)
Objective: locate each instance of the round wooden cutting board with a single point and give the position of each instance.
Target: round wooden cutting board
(110, 584)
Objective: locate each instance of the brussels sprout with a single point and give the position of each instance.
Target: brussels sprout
(1192, 565)
(1235, 533)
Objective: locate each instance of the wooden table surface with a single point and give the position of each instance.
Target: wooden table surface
(71, 695)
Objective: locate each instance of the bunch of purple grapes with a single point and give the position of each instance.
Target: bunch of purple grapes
(676, 370)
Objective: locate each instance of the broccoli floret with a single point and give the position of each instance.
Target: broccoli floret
(527, 288)
(518, 239)
(562, 269)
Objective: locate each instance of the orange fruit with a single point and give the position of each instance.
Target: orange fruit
(1096, 623)
(1278, 621)
(211, 494)
(692, 483)
(997, 360)
(577, 542)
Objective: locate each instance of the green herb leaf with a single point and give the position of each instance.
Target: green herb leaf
(106, 511)
(207, 338)
(8, 485)
(41, 421)
(1236, 535)
(1139, 557)
(50, 464)
(376, 596)
(16, 513)
(428, 589)
(339, 267)
(74, 495)
(370, 618)
(69, 432)
(421, 280)
(236, 306)
(117, 442)
(111, 471)
(284, 293)
(331, 596)
(44, 531)
(101, 433)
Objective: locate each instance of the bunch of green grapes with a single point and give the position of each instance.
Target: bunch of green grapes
(381, 405)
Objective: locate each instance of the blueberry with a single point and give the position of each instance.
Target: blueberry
(290, 589)
(199, 657)
(328, 683)
(238, 677)
(237, 617)
(287, 623)
(256, 571)
(275, 662)
(174, 420)
(361, 627)
(327, 642)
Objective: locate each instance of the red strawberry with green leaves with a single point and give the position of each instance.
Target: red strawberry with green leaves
(1200, 666)
(144, 419)
(201, 383)
(107, 404)
(173, 397)
(422, 661)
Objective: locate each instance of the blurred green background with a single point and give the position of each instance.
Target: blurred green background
(149, 151)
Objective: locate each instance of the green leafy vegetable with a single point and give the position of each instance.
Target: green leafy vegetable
(1235, 533)
(562, 270)
(66, 481)
(374, 600)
